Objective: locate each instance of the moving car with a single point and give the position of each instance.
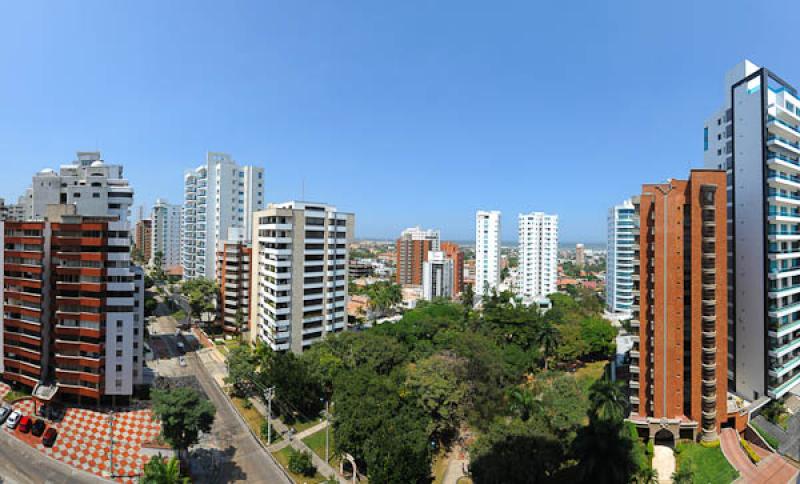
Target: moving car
(5, 411)
(25, 424)
(49, 437)
(38, 427)
(13, 419)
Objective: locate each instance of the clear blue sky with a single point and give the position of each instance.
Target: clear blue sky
(403, 112)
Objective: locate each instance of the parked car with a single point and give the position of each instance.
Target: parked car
(25, 424)
(5, 411)
(38, 427)
(13, 419)
(49, 437)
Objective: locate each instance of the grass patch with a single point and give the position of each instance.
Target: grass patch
(316, 442)
(283, 458)
(708, 463)
(590, 373)
(254, 420)
(771, 440)
(16, 394)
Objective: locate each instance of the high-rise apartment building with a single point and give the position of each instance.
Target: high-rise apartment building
(233, 278)
(679, 367)
(167, 224)
(298, 291)
(622, 226)
(218, 195)
(755, 137)
(437, 276)
(143, 239)
(454, 253)
(538, 255)
(72, 310)
(412, 250)
(487, 251)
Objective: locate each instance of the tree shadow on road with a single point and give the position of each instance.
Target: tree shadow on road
(216, 465)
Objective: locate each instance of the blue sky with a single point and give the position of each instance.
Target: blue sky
(405, 112)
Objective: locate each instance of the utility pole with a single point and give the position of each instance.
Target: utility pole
(269, 394)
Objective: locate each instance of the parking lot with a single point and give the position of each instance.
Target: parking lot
(104, 444)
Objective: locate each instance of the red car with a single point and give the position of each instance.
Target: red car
(25, 425)
(49, 437)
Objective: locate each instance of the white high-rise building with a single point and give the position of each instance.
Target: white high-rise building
(166, 228)
(538, 255)
(755, 136)
(218, 195)
(299, 270)
(622, 227)
(487, 251)
(437, 276)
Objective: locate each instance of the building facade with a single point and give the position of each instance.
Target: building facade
(538, 255)
(167, 224)
(233, 278)
(412, 250)
(755, 137)
(143, 239)
(679, 364)
(622, 225)
(72, 310)
(299, 274)
(218, 195)
(487, 252)
(580, 255)
(437, 276)
(453, 252)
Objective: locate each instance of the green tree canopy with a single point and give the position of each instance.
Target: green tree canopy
(183, 414)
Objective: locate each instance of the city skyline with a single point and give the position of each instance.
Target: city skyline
(297, 96)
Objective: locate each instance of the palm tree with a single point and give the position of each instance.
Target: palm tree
(648, 475)
(522, 402)
(548, 338)
(608, 401)
(159, 471)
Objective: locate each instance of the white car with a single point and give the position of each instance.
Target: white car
(13, 419)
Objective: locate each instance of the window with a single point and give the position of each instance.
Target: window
(119, 323)
(95, 195)
(119, 353)
(119, 368)
(119, 338)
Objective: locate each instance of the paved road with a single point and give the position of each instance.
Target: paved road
(230, 443)
(21, 464)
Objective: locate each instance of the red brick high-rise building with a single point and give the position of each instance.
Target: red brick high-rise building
(679, 367)
(233, 277)
(412, 251)
(454, 252)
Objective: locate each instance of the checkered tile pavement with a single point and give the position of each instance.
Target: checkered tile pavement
(84, 439)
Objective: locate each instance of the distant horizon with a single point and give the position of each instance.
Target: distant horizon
(504, 243)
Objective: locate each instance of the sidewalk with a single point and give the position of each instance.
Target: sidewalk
(215, 364)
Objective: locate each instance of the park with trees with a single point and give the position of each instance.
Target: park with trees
(525, 393)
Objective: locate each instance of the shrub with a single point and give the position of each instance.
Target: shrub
(710, 445)
(300, 463)
(264, 431)
(650, 448)
(247, 404)
(749, 450)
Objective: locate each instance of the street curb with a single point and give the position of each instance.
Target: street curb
(244, 422)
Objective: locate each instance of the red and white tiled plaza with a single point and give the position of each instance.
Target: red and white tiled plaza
(85, 439)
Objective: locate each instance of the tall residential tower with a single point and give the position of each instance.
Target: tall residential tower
(538, 255)
(218, 195)
(487, 252)
(622, 225)
(299, 265)
(167, 224)
(755, 137)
